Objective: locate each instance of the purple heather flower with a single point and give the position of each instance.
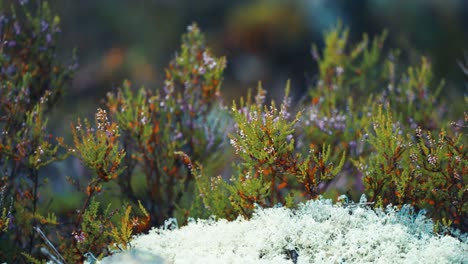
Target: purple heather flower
(11, 220)
(73, 66)
(208, 60)
(17, 28)
(178, 136)
(44, 25)
(432, 159)
(419, 132)
(315, 55)
(353, 144)
(10, 43)
(10, 70)
(209, 137)
(79, 237)
(48, 38)
(339, 70)
(109, 134)
(202, 70)
(56, 29)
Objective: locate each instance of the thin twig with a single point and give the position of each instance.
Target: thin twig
(50, 245)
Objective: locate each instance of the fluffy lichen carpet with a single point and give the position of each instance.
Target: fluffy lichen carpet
(316, 232)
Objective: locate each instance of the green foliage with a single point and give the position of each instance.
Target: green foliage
(263, 141)
(362, 118)
(211, 195)
(344, 106)
(28, 58)
(5, 209)
(346, 71)
(194, 76)
(98, 148)
(125, 230)
(383, 173)
(417, 169)
(249, 192)
(181, 117)
(90, 236)
(97, 235)
(441, 167)
(413, 98)
(353, 80)
(32, 259)
(269, 163)
(322, 169)
(31, 81)
(339, 105)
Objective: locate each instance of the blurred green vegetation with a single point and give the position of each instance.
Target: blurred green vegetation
(263, 40)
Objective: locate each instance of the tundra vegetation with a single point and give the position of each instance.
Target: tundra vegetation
(179, 151)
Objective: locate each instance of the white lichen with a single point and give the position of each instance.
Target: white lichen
(317, 232)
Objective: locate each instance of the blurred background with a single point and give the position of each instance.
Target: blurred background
(263, 40)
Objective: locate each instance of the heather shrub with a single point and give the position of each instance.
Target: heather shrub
(362, 105)
(269, 164)
(367, 125)
(31, 81)
(417, 169)
(158, 124)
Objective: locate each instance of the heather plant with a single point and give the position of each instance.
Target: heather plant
(269, 164)
(363, 105)
(94, 231)
(28, 48)
(269, 170)
(103, 232)
(349, 74)
(187, 115)
(166, 149)
(31, 80)
(98, 149)
(211, 196)
(352, 81)
(346, 71)
(442, 161)
(98, 232)
(417, 169)
(339, 104)
(384, 171)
